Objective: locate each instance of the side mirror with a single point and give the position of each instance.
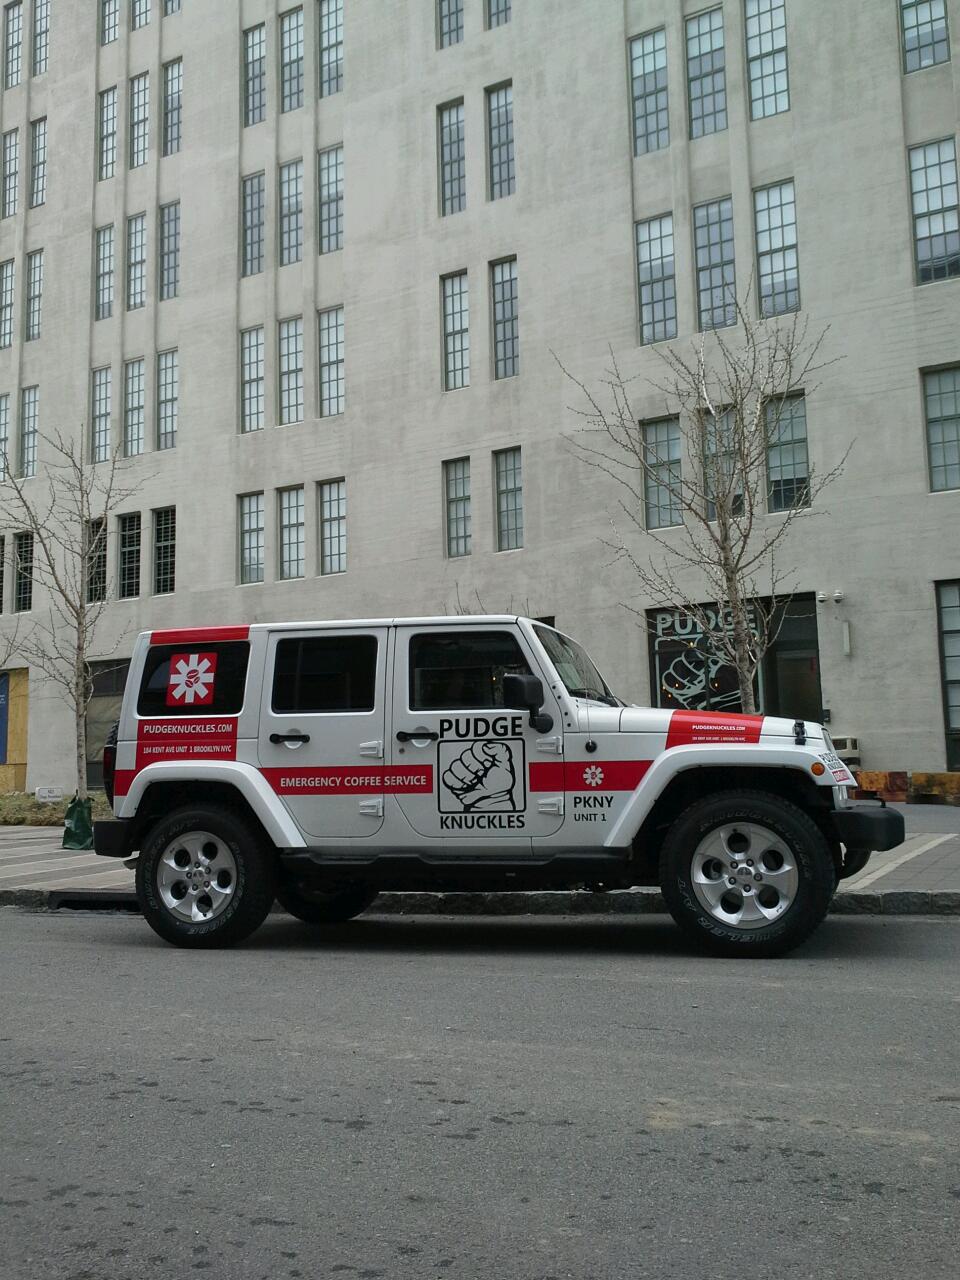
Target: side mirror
(525, 693)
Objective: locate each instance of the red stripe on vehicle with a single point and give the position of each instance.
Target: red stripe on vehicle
(689, 727)
(122, 782)
(350, 780)
(588, 775)
(200, 635)
(183, 738)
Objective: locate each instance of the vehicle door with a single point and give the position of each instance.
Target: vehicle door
(448, 714)
(322, 728)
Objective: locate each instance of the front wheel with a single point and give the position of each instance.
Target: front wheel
(314, 906)
(747, 874)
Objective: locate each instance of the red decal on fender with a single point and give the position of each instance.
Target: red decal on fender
(122, 781)
(588, 775)
(688, 727)
(184, 738)
(347, 780)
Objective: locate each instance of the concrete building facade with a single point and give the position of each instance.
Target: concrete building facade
(327, 252)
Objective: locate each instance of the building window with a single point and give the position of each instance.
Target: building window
(164, 550)
(134, 405)
(100, 415)
(169, 265)
(716, 274)
(456, 332)
(498, 12)
(722, 464)
(12, 44)
(706, 74)
(509, 486)
(128, 556)
(109, 21)
(661, 473)
(291, 532)
(139, 13)
(251, 379)
(291, 212)
(172, 107)
(500, 139)
(936, 228)
(3, 567)
(34, 295)
(170, 7)
(775, 214)
(453, 163)
(168, 398)
(941, 394)
(291, 371)
(291, 60)
(7, 278)
(333, 526)
(254, 75)
(29, 430)
(139, 120)
(926, 40)
(655, 279)
(11, 173)
(253, 198)
(788, 469)
(136, 261)
(107, 164)
(331, 47)
(332, 389)
(250, 526)
(948, 613)
(41, 36)
(651, 121)
(456, 489)
(450, 22)
(767, 57)
(38, 163)
(4, 451)
(506, 320)
(103, 306)
(331, 199)
(22, 572)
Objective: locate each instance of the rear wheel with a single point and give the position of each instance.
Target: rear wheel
(314, 906)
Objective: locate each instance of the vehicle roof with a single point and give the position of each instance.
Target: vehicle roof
(175, 635)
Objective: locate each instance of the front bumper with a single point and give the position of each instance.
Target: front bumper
(869, 829)
(111, 838)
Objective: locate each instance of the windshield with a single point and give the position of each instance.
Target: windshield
(580, 677)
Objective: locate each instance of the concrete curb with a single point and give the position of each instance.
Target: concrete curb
(626, 902)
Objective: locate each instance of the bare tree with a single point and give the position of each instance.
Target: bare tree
(59, 521)
(713, 524)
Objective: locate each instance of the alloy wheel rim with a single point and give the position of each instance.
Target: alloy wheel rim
(745, 875)
(197, 877)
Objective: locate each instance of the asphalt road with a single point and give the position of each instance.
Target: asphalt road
(413, 1098)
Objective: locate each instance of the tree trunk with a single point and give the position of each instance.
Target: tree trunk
(80, 713)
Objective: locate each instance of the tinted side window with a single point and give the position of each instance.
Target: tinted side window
(325, 673)
(456, 671)
(194, 679)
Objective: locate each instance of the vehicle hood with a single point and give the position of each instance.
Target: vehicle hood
(684, 727)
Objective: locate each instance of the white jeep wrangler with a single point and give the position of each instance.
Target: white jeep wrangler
(318, 763)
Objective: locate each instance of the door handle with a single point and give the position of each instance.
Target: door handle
(289, 737)
(403, 736)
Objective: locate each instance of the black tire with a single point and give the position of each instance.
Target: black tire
(315, 906)
(251, 879)
(813, 885)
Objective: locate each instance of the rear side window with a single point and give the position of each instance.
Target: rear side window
(325, 673)
(457, 671)
(194, 679)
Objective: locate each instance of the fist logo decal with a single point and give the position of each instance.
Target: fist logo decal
(483, 778)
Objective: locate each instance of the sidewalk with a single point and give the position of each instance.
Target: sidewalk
(920, 876)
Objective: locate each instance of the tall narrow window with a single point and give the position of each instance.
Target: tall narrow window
(453, 159)
(655, 279)
(164, 550)
(7, 278)
(96, 557)
(941, 394)
(101, 408)
(139, 120)
(109, 21)
(38, 162)
(172, 107)
(107, 139)
(41, 36)
(11, 173)
(651, 119)
(291, 60)
(936, 217)
(251, 526)
(136, 261)
(34, 295)
(775, 212)
(509, 485)
(22, 572)
(254, 75)
(456, 332)
(4, 448)
(134, 406)
(716, 273)
(706, 74)
(29, 429)
(251, 379)
(128, 556)
(449, 22)
(498, 12)
(333, 526)
(169, 250)
(291, 212)
(332, 385)
(506, 319)
(500, 137)
(661, 473)
(168, 398)
(139, 13)
(722, 464)
(767, 57)
(291, 371)
(331, 47)
(948, 614)
(926, 40)
(103, 306)
(330, 168)
(291, 532)
(788, 469)
(12, 44)
(456, 490)
(253, 198)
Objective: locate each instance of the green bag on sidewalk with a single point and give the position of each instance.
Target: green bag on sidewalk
(78, 825)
